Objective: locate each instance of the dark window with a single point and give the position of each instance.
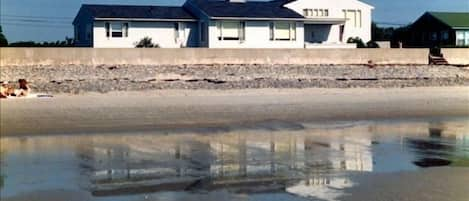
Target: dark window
(116, 30)
(176, 30)
(341, 33)
(108, 28)
(242, 31)
(117, 34)
(125, 29)
(271, 27)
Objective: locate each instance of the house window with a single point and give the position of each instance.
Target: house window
(271, 31)
(433, 36)
(462, 38)
(242, 31)
(358, 19)
(293, 31)
(467, 38)
(176, 30)
(125, 29)
(116, 29)
(354, 17)
(316, 12)
(445, 35)
(282, 31)
(459, 38)
(231, 30)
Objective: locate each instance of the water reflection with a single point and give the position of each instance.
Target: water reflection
(314, 162)
(438, 148)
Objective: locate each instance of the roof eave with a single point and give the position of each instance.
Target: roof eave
(459, 28)
(143, 19)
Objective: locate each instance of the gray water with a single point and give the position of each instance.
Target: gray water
(270, 161)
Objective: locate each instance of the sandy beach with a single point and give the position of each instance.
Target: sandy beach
(218, 109)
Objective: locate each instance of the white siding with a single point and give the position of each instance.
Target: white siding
(162, 33)
(257, 35)
(336, 8)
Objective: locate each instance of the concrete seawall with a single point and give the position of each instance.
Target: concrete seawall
(88, 56)
(456, 56)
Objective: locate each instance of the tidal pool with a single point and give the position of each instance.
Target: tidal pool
(367, 160)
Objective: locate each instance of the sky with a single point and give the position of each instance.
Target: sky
(51, 20)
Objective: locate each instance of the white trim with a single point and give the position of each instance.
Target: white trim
(360, 2)
(326, 21)
(145, 19)
(258, 19)
(225, 18)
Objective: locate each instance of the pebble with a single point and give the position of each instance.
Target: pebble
(75, 79)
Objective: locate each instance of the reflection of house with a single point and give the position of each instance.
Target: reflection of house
(322, 188)
(439, 29)
(226, 161)
(357, 155)
(226, 24)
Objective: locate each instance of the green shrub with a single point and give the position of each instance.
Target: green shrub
(358, 41)
(146, 43)
(372, 44)
(3, 39)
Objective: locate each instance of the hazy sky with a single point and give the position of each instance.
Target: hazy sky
(50, 20)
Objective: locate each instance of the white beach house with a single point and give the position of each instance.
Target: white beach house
(226, 24)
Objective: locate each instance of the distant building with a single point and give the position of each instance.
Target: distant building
(439, 29)
(226, 24)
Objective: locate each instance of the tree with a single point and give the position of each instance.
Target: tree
(68, 42)
(3, 39)
(372, 44)
(146, 43)
(381, 33)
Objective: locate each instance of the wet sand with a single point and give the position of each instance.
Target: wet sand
(433, 184)
(436, 184)
(349, 161)
(218, 109)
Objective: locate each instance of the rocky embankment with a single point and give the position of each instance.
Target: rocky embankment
(104, 78)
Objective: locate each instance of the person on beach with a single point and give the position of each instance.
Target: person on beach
(24, 89)
(4, 90)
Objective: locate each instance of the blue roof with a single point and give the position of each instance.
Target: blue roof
(249, 9)
(143, 12)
